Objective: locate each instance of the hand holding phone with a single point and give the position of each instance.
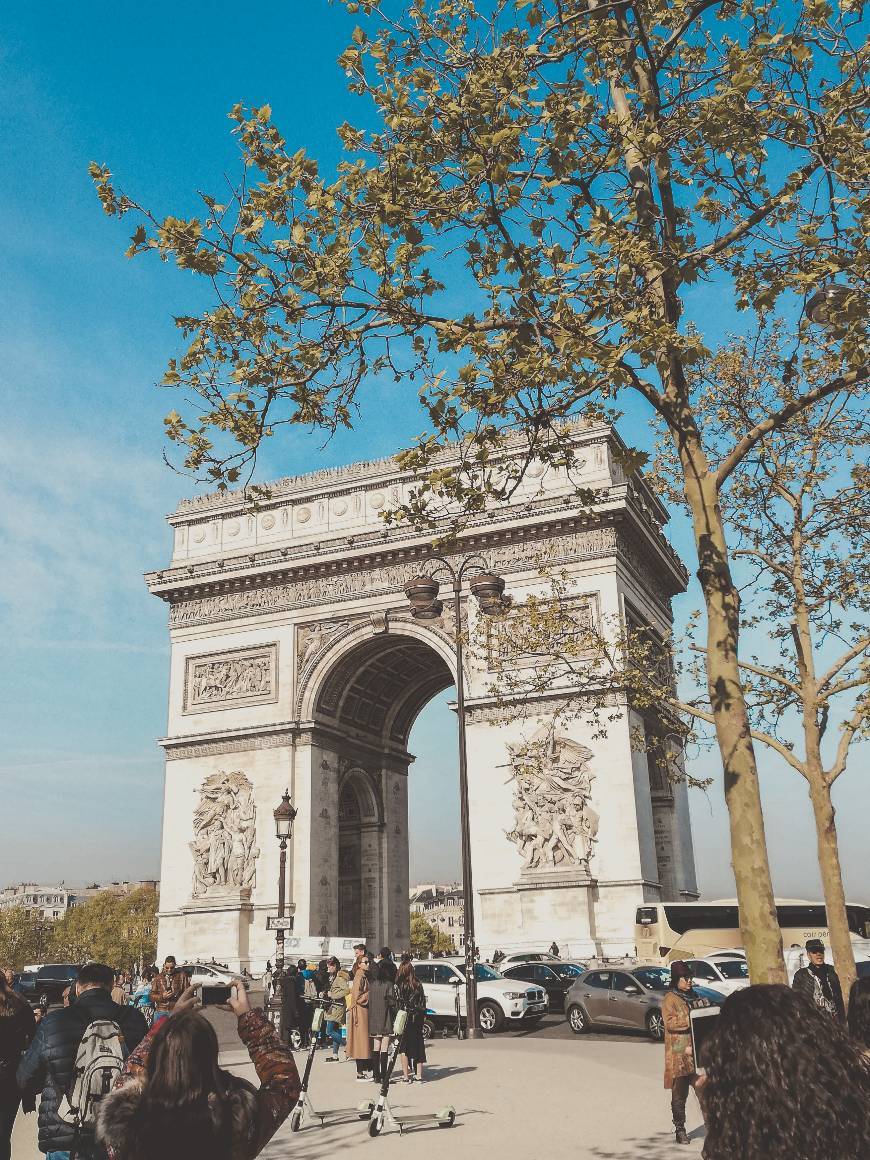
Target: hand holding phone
(214, 996)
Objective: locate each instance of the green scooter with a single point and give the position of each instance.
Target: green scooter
(382, 1116)
(304, 1107)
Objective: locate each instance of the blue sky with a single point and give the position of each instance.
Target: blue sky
(84, 335)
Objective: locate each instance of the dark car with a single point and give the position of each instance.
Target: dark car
(554, 977)
(25, 986)
(627, 999)
(52, 980)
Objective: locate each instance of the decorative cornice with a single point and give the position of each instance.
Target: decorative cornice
(219, 742)
(314, 485)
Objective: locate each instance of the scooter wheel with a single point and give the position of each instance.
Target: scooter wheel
(295, 1121)
(375, 1125)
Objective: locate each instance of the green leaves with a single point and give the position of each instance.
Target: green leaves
(586, 170)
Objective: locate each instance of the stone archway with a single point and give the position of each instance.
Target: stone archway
(361, 700)
(296, 663)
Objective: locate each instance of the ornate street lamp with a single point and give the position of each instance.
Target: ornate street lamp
(827, 305)
(422, 593)
(284, 815)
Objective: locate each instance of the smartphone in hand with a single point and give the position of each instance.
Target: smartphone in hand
(214, 996)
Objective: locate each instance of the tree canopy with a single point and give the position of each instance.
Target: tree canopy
(517, 233)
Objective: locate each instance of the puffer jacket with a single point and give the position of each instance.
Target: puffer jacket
(49, 1061)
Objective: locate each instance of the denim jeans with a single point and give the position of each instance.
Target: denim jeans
(57, 1156)
(333, 1030)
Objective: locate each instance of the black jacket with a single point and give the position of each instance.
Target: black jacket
(382, 1007)
(48, 1063)
(816, 982)
(17, 1026)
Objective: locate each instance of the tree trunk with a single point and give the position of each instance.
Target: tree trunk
(832, 881)
(762, 939)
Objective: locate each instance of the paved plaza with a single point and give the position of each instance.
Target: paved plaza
(515, 1096)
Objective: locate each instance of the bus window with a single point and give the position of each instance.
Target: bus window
(681, 918)
(859, 920)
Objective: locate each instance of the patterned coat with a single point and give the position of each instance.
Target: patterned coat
(166, 990)
(253, 1115)
(675, 1013)
(359, 1044)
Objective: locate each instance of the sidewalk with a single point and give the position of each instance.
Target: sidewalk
(592, 1101)
(514, 1098)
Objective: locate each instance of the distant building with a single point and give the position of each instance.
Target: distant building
(52, 901)
(55, 901)
(443, 907)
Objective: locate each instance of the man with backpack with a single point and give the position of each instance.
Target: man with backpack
(74, 1059)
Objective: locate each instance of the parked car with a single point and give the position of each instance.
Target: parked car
(24, 985)
(499, 1001)
(623, 998)
(722, 974)
(211, 976)
(527, 957)
(51, 982)
(556, 978)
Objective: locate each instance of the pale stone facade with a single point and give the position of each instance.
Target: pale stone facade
(296, 664)
(444, 908)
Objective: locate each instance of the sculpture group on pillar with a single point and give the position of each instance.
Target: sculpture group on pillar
(555, 825)
(224, 833)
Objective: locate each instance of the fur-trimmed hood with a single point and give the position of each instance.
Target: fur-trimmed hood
(237, 1110)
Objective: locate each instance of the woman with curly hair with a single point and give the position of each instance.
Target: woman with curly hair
(859, 1012)
(783, 1081)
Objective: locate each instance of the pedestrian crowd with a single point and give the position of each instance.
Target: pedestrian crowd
(361, 1003)
(128, 1070)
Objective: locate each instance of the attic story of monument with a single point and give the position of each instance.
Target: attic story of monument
(295, 661)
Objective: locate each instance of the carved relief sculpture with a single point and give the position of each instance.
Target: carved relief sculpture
(312, 639)
(224, 835)
(231, 680)
(555, 826)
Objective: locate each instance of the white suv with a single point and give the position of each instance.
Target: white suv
(499, 1001)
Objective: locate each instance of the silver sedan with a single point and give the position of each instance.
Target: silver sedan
(627, 999)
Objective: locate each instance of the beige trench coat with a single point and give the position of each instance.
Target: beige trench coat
(359, 1044)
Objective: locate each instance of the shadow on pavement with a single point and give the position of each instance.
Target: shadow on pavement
(658, 1147)
(436, 1071)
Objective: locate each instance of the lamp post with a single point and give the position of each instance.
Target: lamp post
(422, 593)
(284, 815)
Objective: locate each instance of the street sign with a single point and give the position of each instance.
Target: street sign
(273, 922)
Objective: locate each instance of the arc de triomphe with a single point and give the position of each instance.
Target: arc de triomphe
(295, 663)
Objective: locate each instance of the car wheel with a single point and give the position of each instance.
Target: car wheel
(296, 1039)
(578, 1020)
(489, 1017)
(428, 1029)
(655, 1026)
(43, 1000)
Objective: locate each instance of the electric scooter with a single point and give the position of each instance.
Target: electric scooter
(382, 1115)
(304, 1107)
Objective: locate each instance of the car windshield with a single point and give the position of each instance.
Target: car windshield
(481, 972)
(655, 978)
(733, 969)
(566, 970)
